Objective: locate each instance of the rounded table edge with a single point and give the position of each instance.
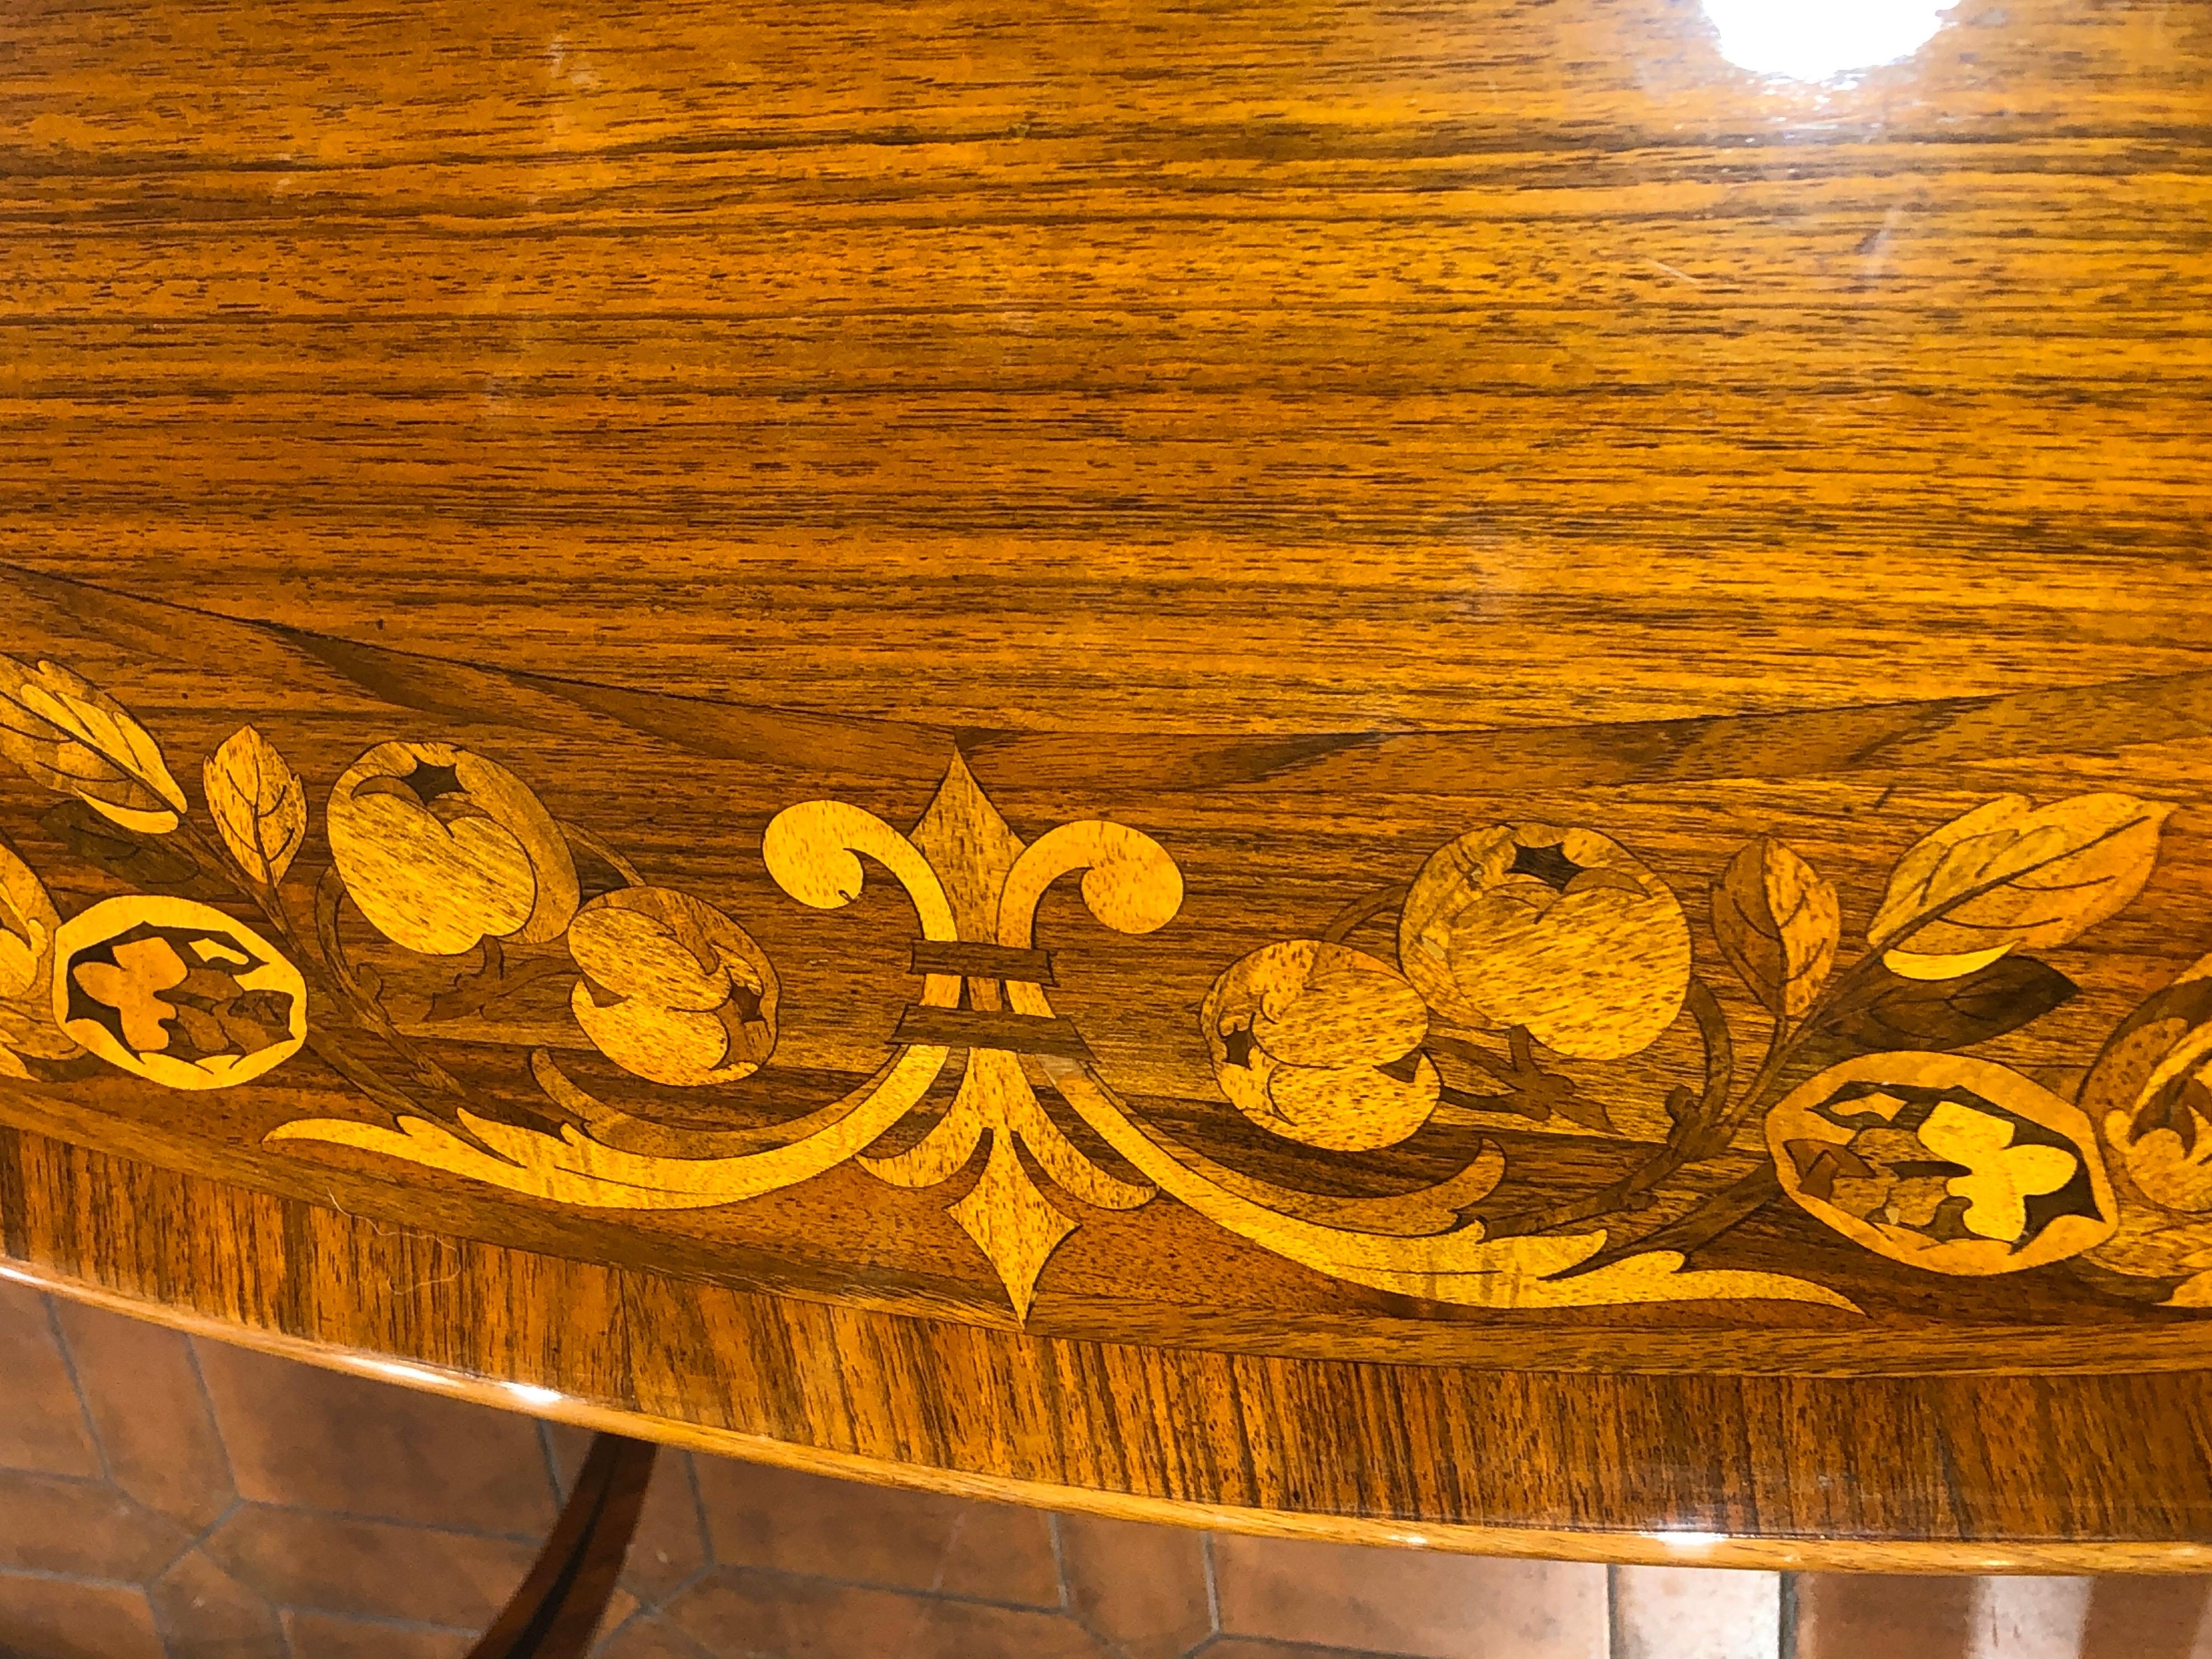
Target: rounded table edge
(1611, 1547)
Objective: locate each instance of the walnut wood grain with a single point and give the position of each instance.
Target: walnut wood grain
(1971, 1474)
(1299, 479)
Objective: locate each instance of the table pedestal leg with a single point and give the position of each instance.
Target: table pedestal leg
(554, 1613)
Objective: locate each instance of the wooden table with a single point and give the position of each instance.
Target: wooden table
(1425, 774)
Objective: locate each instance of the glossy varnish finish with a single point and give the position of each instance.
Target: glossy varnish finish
(1522, 710)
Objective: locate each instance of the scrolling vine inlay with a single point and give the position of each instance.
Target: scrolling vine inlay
(1516, 944)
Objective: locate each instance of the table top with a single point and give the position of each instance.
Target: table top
(1425, 773)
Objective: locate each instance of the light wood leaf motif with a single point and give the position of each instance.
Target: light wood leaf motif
(1301, 1032)
(72, 736)
(1563, 932)
(28, 926)
(674, 990)
(2007, 874)
(1943, 1162)
(177, 993)
(28, 922)
(1777, 922)
(1414, 1244)
(259, 803)
(441, 848)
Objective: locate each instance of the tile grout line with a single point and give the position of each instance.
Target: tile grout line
(77, 1386)
(1295, 1649)
(1613, 1642)
(959, 1598)
(1213, 1583)
(1058, 1557)
(1785, 1633)
(699, 1515)
(214, 1417)
(48, 1576)
(198, 1538)
(53, 1476)
(195, 1540)
(552, 1464)
(382, 1620)
(677, 1590)
(692, 1645)
(366, 1518)
(606, 1637)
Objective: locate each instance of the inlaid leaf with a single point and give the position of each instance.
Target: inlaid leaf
(258, 802)
(1897, 1013)
(1776, 920)
(71, 736)
(2010, 873)
(148, 863)
(30, 1031)
(27, 923)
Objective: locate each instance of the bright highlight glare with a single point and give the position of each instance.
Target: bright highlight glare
(1822, 40)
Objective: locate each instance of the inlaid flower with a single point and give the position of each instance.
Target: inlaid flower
(1563, 932)
(1321, 1043)
(673, 990)
(1943, 1162)
(441, 848)
(176, 992)
(2150, 1094)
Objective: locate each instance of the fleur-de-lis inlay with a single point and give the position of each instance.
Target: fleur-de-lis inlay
(975, 887)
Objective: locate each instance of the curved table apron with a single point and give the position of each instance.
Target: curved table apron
(1425, 776)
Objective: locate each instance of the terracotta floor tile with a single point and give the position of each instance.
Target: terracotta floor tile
(649, 1638)
(56, 1618)
(1142, 1588)
(1408, 1602)
(2149, 1619)
(1689, 1613)
(144, 1393)
(670, 1544)
(302, 1436)
(738, 1614)
(1840, 1616)
(2028, 1618)
(205, 1613)
(1858, 1616)
(326, 1636)
(48, 1524)
(760, 1516)
(569, 1444)
(43, 1428)
(1259, 1647)
(377, 1569)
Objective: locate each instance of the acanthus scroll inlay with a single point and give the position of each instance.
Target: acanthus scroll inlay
(1511, 944)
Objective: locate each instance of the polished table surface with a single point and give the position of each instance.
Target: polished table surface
(1417, 773)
